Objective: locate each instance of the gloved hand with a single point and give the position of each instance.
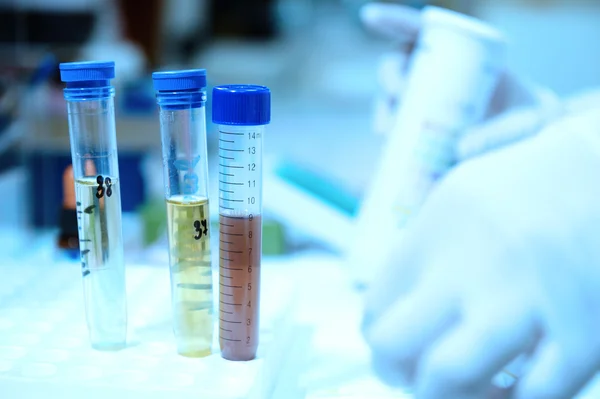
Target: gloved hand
(535, 105)
(521, 122)
(501, 261)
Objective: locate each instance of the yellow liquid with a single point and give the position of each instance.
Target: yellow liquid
(191, 274)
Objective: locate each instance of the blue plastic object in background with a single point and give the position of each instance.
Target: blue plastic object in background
(319, 186)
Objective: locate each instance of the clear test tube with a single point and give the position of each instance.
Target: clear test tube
(181, 96)
(241, 113)
(90, 104)
(452, 74)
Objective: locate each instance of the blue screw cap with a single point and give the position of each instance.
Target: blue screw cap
(87, 71)
(179, 80)
(246, 105)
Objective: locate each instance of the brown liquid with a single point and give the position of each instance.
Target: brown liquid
(239, 286)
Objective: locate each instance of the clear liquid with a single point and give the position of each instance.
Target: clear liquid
(103, 266)
(191, 274)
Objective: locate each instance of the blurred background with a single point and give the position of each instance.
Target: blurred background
(317, 58)
(320, 149)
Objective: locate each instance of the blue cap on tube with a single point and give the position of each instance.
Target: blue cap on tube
(191, 79)
(87, 74)
(246, 105)
(179, 90)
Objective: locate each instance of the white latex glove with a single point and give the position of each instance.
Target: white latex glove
(521, 122)
(403, 24)
(503, 260)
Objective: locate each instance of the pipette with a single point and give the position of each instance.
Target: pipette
(453, 73)
(181, 96)
(241, 113)
(90, 104)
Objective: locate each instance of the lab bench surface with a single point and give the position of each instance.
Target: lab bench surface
(44, 347)
(311, 344)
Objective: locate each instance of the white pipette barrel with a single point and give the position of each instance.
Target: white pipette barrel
(452, 75)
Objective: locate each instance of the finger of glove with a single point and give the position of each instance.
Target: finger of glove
(391, 73)
(583, 101)
(463, 363)
(514, 92)
(557, 372)
(392, 81)
(399, 337)
(396, 277)
(500, 131)
(569, 356)
(384, 114)
(392, 20)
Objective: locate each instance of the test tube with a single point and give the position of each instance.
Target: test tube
(452, 75)
(241, 113)
(90, 104)
(181, 96)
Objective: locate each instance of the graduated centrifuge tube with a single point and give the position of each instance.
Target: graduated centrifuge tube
(241, 113)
